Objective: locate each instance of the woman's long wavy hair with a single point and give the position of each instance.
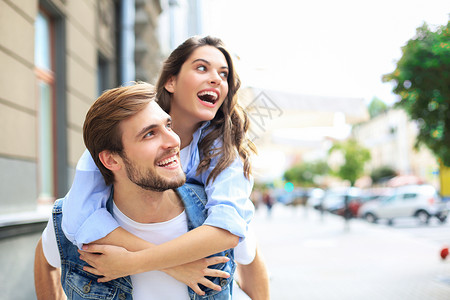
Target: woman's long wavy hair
(230, 123)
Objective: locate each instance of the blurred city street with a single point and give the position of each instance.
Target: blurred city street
(310, 257)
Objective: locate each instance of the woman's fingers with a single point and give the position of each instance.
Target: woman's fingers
(96, 272)
(105, 279)
(208, 283)
(94, 248)
(197, 289)
(216, 273)
(216, 260)
(88, 257)
(92, 270)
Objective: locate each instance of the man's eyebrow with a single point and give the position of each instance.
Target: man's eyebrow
(207, 62)
(150, 127)
(146, 129)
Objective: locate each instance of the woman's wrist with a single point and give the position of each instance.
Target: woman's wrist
(140, 261)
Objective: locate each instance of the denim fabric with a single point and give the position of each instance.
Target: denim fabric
(194, 199)
(79, 284)
(229, 206)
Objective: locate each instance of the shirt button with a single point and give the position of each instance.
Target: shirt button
(223, 282)
(86, 288)
(122, 296)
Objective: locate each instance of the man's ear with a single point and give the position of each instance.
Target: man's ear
(170, 84)
(109, 160)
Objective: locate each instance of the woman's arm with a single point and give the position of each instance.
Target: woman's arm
(85, 218)
(140, 256)
(229, 205)
(182, 258)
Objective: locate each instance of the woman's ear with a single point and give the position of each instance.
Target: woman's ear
(109, 160)
(170, 84)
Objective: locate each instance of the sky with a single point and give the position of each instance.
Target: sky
(320, 47)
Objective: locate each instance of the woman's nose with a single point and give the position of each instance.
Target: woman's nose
(215, 79)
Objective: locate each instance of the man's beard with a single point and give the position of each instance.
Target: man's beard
(149, 179)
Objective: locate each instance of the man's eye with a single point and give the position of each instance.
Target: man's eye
(169, 125)
(149, 134)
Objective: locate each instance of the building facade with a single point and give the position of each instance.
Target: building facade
(391, 137)
(57, 56)
(289, 128)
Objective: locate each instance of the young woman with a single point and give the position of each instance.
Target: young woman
(197, 87)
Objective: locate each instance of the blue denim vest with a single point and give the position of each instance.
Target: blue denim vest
(78, 284)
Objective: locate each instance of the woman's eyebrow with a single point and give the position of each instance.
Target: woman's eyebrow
(203, 60)
(207, 62)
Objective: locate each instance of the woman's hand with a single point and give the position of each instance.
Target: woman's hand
(109, 261)
(192, 274)
(113, 262)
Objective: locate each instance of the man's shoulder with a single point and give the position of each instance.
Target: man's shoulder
(58, 205)
(192, 190)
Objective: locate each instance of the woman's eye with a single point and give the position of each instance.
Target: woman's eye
(224, 74)
(201, 68)
(169, 126)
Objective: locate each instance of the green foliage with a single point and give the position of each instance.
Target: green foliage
(376, 107)
(382, 173)
(355, 157)
(304, 173)
(422, 80)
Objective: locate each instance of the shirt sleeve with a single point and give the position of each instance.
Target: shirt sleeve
(229, 205)
(49, 245)
(245, 251)
(85, 217)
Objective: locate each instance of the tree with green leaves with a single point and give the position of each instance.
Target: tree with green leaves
(376, 107)
(382, 173)
(422, 80)
(305, 173)
(355, 157)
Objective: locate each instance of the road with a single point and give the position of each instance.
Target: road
(310, 257)
(435, 231)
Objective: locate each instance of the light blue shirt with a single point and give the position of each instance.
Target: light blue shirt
(86, 219)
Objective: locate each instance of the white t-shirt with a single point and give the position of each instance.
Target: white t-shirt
(148, 285)
(153, 284)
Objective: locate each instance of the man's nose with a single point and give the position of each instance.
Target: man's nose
(171, 139)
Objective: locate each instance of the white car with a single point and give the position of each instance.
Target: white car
(420, 201)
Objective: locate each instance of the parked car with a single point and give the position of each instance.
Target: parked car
(333, 200)
(367, 195)
(419, 201)
(315, 196)
(295, 197)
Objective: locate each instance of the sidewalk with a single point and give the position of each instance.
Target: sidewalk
(313, 258)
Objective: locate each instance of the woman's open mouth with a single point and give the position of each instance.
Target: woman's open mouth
(208, 97)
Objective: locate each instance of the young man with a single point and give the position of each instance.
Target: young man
(130, 138)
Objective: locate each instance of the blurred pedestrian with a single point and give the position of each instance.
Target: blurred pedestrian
(268, 201)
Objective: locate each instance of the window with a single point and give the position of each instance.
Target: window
(43, 57)
(409, 196)
(102, 75)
